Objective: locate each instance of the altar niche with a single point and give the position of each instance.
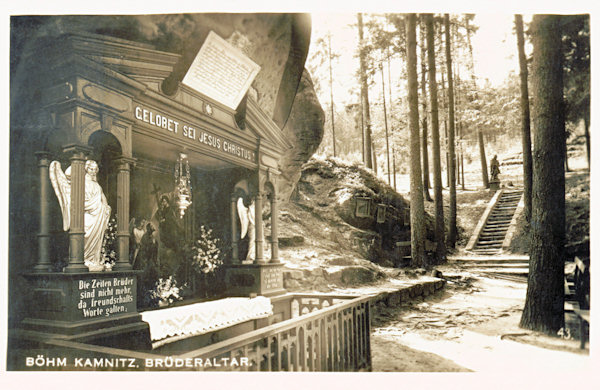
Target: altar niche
(250, 271)
(67, 297)
(79, 105)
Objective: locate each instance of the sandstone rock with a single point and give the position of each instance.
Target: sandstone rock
(333, 275)
(304, 129)
(291, 284)
(393, 299)
(291, 241)
(418, 289)
(342, 261)
(293, 274)
(356, 275)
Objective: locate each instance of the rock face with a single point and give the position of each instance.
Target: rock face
(304, 129)
(265, 38)
(324, 211)
(276, 42)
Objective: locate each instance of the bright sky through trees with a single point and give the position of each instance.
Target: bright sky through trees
(494, 49)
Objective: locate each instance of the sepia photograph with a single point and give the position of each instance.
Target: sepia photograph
(338, 190)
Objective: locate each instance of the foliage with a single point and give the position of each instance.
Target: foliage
(165, 292)
(109, 243)
(205, 255)
(576, 65)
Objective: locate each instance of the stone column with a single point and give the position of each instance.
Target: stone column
(77, 223)
(43, 264)
(123, 184)
(274, 229)
(258, 225)
(235, 259)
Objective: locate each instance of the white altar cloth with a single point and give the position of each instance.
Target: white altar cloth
(174, 323)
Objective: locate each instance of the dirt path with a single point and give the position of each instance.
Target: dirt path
(471, 326)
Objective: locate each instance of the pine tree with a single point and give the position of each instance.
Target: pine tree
(435, 142)
(417, 210)
(525, 119)
(544, 303)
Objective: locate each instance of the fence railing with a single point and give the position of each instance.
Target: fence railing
(333, 336)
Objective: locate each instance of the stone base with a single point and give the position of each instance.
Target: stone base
(92, 307)
(259, 279)
(494, 185)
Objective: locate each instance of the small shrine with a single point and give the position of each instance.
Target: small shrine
(144, 193)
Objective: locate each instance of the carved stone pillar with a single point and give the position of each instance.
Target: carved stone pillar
(258, 225)
(43, 264)
(77, 223)
(123, 183)
(235, 258)
(274, 229)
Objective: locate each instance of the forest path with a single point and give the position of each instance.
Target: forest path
(471, 326)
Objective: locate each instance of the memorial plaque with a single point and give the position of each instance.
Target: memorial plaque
(363, 207)
(105, 296)
(221, 71)
(272, 278)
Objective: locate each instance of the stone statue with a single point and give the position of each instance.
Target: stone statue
(136, 232)
(494, 169)
(248, 222)
(96, 209)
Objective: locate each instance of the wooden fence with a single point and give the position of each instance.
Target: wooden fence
(333, 336)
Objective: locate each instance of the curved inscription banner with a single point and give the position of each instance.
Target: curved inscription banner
(177, 128)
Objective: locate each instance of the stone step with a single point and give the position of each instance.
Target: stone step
(497, 225)
(489, 246)
(495, 259)
(489, 239)
(491, 236)
(490, 265)
(511, 271)
(495, 229)
(500, 216)
(493, 233)
(489, 243)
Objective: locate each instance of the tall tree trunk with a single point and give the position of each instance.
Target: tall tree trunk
(452, 233)
(444, 100)
(331, 93)
(435, 143)
(462, 158)
(566, 149)
(391, 116)
(387, 136)
(364, 93)
(586, 124)
(544, 304)
(373, 155)
(484, 174)
(417, 210)
(362, 129)
(424, 151)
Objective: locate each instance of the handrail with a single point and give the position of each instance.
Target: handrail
(256, 335)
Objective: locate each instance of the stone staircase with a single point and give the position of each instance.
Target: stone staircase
(511, 267)
(491, 237)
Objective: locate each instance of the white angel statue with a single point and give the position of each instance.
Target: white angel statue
(96, 209)
(248, 221)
